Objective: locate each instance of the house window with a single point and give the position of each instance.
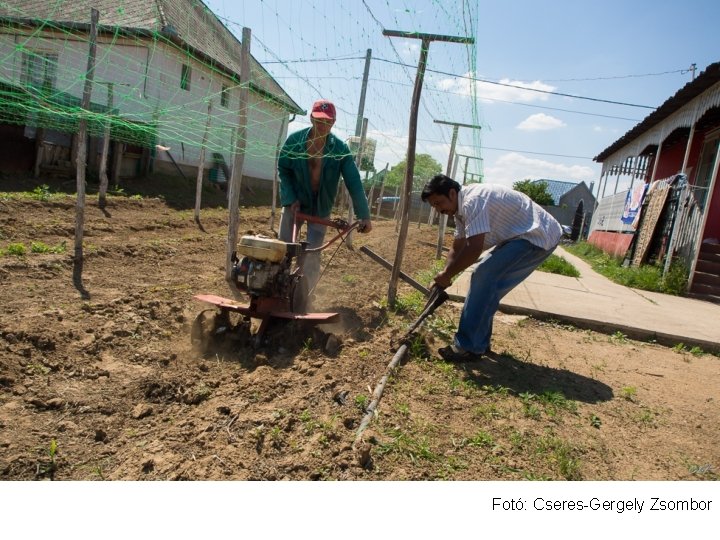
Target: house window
(185, 77)
(39, 70)
(225, 96)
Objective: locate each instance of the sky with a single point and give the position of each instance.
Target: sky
(614, 62)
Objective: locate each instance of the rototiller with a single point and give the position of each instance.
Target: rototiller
(270, 273)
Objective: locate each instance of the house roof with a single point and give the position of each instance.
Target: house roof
(557, 188)
(691, 90)
(186, 22)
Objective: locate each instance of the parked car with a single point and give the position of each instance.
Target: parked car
(384, 200)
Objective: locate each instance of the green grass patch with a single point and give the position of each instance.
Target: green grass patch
(42, 247)
(647, 277)
(555, 264)
(16, 249)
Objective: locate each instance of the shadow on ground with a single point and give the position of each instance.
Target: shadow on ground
(510, 372)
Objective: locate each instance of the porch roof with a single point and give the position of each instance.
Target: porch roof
(703, 93)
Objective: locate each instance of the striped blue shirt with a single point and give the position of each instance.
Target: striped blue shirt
(503, 214)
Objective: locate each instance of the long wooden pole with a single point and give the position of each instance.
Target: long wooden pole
(358, 162)
(276, 179)
(102, 192)
(409, 170)
(81, 160)
(236, 174)
(412, 141)
(382, 191)
(201, 164)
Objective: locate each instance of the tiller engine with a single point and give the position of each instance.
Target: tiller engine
(269, 272)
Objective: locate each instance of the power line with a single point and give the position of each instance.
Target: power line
(475, 79)
(385, 81)
(309, 60)
(612, 77)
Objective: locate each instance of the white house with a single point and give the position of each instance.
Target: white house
(165, 71)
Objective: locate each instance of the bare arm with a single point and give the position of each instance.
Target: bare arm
(463, 253)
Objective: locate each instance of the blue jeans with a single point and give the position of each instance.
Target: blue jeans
(315, 239)
(499, 271)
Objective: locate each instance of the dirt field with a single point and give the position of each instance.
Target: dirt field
(107, 386)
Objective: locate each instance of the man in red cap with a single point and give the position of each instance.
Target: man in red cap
(310, 165)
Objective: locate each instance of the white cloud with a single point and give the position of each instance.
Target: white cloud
(410, 50)
(488, 92)
(509, 168)
(540, 122)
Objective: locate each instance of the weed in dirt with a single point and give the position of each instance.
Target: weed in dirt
(560, 455)
(679, 347)
(481, 439)
(619, 337)
(426, 276)
(629, 393)
(361, 402)
(417, 348)
(697, 351)
(41, 247)
(35, 368)
(49, 466)
(41, 193)
(98, 471)
(647, 417)
(403, 409)
(595, 421)
(703, 472)
(411, 303)
(495, 389)
(308, 422)
(16, 249)
(530, 410)
(451, 465)
(277, 437)
(407, 445)
(488, 411)
(518, 440)
(555, 400)
(442, 327)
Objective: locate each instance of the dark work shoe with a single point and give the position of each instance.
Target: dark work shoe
(455, 354)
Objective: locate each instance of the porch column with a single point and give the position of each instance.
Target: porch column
(657, 156)
(688, 146)
(706, 211)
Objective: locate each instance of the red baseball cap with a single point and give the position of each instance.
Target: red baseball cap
(323, 109)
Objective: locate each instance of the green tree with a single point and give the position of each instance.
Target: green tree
(425, 168)
(537, 191)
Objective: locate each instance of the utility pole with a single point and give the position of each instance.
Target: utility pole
(358, 161)
(443, 218)
(693, 67)
(467, 158)
(361, 107)
(412, 141)
(236, 174)
(81, 159)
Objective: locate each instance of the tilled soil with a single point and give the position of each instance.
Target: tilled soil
(98, 378)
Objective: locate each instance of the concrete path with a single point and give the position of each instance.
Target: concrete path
(592, 301)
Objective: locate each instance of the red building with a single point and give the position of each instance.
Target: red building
(675, 152)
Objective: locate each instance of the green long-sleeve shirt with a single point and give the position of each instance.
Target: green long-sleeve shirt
(337, 160)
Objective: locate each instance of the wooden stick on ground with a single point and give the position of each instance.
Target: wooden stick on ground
(364, 449)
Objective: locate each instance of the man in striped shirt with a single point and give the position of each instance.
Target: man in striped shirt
(521, 234)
